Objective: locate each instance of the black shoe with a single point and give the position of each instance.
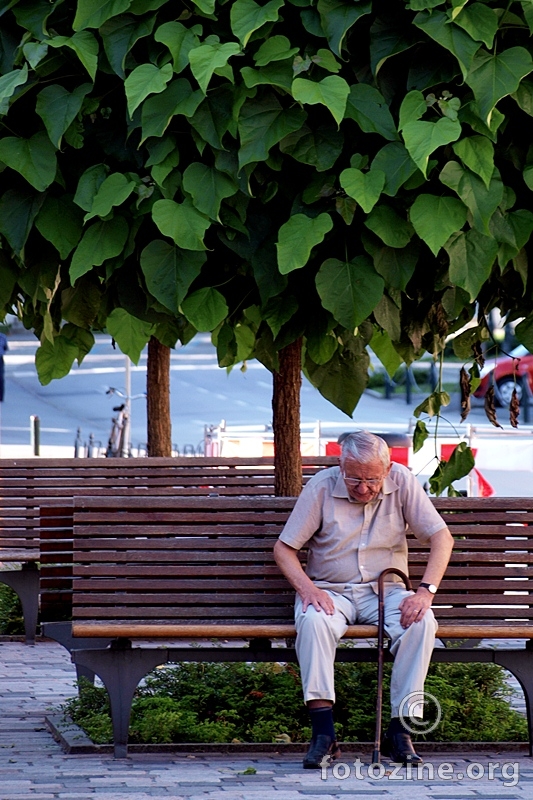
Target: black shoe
(322, 751)
(399, 747)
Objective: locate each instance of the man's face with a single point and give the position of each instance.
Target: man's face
(371, 476)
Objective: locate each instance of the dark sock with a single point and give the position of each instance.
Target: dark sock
(322, 721)
(395, 726)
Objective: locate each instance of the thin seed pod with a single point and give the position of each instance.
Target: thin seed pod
(514, 409)
(479, 358)
(464, 382)
(490, 408)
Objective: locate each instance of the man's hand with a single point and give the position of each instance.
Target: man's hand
(318, 598)
(414, 607)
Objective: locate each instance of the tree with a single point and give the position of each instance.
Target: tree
(344, 173)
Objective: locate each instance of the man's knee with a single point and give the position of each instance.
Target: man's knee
(316, 625)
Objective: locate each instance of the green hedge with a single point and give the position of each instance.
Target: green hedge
(263, 703)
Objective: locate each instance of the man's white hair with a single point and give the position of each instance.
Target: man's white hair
(364, 447)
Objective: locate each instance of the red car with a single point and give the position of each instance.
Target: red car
(503, 370)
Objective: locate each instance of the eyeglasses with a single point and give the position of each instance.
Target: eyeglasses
(372, 482)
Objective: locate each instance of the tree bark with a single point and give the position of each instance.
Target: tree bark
(286, 422)
(158, 399)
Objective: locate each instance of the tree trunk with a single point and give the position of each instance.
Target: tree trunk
(158, 399)
(286, 422)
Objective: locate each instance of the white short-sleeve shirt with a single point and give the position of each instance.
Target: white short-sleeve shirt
(350, 542)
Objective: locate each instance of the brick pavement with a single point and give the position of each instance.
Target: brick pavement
(35, 680)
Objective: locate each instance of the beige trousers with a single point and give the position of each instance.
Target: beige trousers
(318, 634)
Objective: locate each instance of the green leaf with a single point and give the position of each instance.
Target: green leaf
(278, 311)
(450, 213)
(93, 13)
(350, 290)
(277, 74)
(157, 111)
(101, 241)
(437, 26)
(277, 48)
(207, 58)
(296, 239)
(460, 464)
(179, 40)
(112, 192)
(420, 435)
(35, 52)
(477, 153)
(387, 316)
(432, 405)
(318, 146)
(181, 222)
(387, 39)
(423, 138)
(492, 77)
(365, 187)
(8, 84)
(368, 108)
(144, 80)
(205, 309)
(84, 45)
(479, 21)
(207, 187)
(55, 360)
(413, 107)
(524, 96)
(343, 379)
(8, 280)
(120, 35)
(396, 266)
(397, 164)
(89, 184)
(169, 272)
(346, 207)
(524, 332)
(321, 345)
(331, 92)
(247, 17)
(326, 60)
(34, 158)
(472, 256)
(17, 212)
(262, 124)
(384, 349)
(481, 202)
(131, 334)
(337, 17)
(59, 108)
(60, 222)
(512, 231)
(389, 226)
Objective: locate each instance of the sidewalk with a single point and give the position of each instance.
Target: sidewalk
(35, 680)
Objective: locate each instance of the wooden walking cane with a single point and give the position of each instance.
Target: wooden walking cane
(376, 755)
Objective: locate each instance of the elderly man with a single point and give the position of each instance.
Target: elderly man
(354, 520)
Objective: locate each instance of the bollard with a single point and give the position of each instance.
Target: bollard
(78, 444)
(35, 431)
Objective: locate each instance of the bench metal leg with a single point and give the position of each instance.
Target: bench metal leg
(121, 668)
(61, 632)
(25, 583)
(520, 664)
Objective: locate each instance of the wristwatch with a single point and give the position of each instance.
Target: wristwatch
(429, 586)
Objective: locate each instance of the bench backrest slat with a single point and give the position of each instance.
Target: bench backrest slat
(209, 561)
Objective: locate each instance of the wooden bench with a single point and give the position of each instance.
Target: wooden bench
(191, 569)
(26, 483)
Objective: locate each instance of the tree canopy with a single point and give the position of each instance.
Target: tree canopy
(351, 173)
